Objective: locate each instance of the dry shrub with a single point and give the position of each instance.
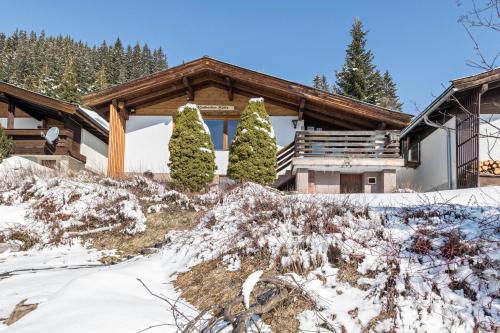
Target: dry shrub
(211, 284)
(421, 244)
(28, 239)
(465, 287)
(453, 246)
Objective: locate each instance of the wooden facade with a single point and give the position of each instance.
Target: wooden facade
(206, 81)
(37, 113)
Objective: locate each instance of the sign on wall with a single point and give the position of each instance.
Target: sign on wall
(216, 107)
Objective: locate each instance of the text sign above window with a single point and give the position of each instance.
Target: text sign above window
(216, 107)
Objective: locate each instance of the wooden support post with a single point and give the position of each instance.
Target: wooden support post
(229, 88)
(116, 148)
(11, 114)
(189, 88)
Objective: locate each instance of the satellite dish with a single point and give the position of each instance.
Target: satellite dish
(52, 135)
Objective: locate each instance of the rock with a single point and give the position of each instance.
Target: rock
(158, 245)
(148, 250)
(109, 260)
(20, 311)
(12, 247)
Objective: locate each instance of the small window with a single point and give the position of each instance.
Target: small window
(372, 180)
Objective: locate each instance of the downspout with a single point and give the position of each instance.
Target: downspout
(448, 148)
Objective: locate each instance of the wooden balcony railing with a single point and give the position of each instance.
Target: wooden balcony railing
(31, 142)
(356, 144)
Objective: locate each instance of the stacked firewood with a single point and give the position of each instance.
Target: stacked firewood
(490, 166)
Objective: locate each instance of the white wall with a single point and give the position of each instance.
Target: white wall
(147, 137)
(146, 143)
(96, 152)
(24, 122)
(489, 148)
(432, 173)
(283, 129)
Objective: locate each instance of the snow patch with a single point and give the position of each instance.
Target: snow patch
(248, 285)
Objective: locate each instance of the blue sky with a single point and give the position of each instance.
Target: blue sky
(419, 42)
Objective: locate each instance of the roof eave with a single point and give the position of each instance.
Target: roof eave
(445, 95)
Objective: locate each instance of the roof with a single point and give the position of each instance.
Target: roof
(54, 104)
(457, 85)
(199, 71)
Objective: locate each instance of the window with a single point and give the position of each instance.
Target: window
(372, 180)
(231, 131)
(222, 132)
(216, 128)
(411, 151)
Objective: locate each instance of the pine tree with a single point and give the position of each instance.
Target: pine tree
(192, 156)
(252, 155)
(389, 98)
(356, 79)
(68, 90)
(321, 83)
(38, 62)
(5, 145)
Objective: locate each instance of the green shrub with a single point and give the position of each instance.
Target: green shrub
(252, 155)
(5, 145)
(192, 156)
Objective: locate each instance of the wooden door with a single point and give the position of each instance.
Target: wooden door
(351, 183)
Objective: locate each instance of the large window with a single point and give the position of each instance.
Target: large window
(222, 132)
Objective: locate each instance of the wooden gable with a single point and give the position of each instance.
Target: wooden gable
(189, 82)
(213, 96)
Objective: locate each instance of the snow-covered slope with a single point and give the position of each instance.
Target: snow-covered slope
(396, 285)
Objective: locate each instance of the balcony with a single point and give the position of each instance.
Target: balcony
(31, 142)
(331, 149)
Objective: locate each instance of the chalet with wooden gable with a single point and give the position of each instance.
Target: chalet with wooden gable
(26, 117)
(455, 141)
(327, 142)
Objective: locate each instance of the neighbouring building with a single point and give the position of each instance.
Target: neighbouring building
(26, 117)
(327, 143)
(455, 141)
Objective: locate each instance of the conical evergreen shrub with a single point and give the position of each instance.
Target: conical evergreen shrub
(5, 145)
(192, 155)
(252, 155)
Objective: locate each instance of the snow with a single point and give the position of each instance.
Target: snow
(200, 118)
(297, 229)
(16, 163)
(256, 100)
(248, 285)
(96, 117)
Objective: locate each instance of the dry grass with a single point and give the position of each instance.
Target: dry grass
(20, 311)
(157, 226)
(211, 284)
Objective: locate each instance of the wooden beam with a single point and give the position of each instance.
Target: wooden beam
(116, 148)
(11, 113)
(189, 88)
(302, 105)
(122, 110)
(338, 122)
(229, 88)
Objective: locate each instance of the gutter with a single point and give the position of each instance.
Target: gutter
(431, 108)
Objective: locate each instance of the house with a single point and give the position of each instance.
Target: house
(446, 144)
(26, 117)
(327, 142)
